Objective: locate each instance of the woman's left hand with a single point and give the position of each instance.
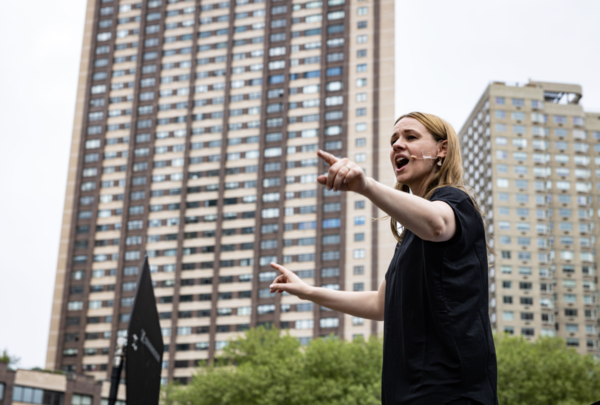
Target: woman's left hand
(343, 174)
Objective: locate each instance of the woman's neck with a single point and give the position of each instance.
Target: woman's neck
(419, 188)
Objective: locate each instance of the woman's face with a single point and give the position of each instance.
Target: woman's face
(411, 138)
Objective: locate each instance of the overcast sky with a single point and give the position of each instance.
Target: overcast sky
(446, 54)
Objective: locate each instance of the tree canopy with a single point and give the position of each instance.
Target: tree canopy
(11, 361)
(545, 372)
(273, 369)
(268, 367)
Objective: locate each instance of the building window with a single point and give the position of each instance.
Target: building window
(304, 324)
(79, 399)
(356, 321)
(502, 183)
(31, 395)
(358, 254)
(360, 157)
(329, 322)
(359, 220)
(527, 332)
(508, 315)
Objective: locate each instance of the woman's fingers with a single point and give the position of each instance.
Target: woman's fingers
(327, 157)
(280, 279)
(354, 173)
(283, 281)
(330, 176)
(280, 284)
(280, 268)
(288, 282)
(340, 173)
(278, 287)
(334, 163)
(334, 172)
(356, 176)
(339, 178)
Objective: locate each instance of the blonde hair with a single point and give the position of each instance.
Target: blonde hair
(449, 174)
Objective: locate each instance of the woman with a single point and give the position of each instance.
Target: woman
(438, 346)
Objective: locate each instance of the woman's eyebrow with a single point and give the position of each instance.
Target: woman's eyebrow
(410, 131)
(405, 132)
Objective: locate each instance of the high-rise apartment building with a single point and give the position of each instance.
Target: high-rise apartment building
(195, 137)
(532, 155)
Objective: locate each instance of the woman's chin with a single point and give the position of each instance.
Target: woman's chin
(402, 176)
(402, 179)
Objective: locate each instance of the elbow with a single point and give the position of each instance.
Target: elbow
(436, 230)
(376, 316)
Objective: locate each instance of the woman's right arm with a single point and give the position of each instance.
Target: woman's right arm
(363, 304)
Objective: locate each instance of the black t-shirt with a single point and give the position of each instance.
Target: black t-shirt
(438, 343)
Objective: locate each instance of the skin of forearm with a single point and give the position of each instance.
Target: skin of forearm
(363, 304)
(417, 214)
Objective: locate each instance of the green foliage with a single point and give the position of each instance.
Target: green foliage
(266, 368)
(271, 369)
(10, 360)
(45, 370)
(545, 372)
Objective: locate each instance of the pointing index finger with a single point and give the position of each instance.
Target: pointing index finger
(279, 268)
(327, 157)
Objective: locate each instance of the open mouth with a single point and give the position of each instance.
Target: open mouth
(401, 162)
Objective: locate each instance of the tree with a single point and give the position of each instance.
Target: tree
(264, 367)
(10, 360)
(273, 369)
(545, 372)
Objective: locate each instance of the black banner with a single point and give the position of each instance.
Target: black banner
(145, 345)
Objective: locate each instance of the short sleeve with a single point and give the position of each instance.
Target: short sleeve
(468, 219)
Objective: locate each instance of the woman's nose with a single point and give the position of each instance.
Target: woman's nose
(398, 145)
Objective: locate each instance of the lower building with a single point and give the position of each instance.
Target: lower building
(52, 388)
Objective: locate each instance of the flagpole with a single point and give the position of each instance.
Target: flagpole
(116, 370)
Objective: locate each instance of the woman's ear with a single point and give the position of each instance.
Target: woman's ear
(443, 148)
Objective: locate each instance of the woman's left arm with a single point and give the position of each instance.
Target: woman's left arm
(429, 220)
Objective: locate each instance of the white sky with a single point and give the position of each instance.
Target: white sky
(446, 54)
